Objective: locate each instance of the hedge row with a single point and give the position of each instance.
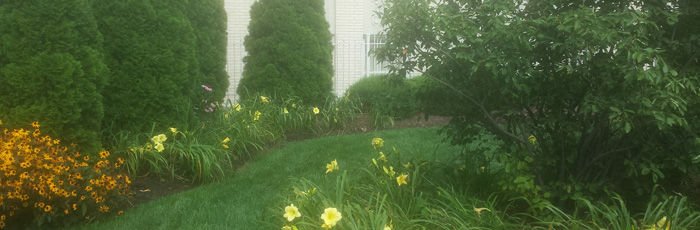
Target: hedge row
(80, 66)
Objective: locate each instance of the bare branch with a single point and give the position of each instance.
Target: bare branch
(486, 113)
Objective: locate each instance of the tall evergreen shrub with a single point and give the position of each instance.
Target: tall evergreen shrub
(289, 51)
(208, 19)
(150, 48)
(51, 69)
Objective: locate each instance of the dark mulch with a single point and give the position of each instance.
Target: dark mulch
(363, 123)
(151, 187)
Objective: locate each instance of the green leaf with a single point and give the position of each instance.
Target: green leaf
(640, 57)
(520, 179)
(628, 127)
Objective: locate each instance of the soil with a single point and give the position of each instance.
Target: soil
(363, 123)
(150, 187)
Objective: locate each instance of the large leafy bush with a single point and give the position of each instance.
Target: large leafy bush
(51, 68)
(586, 96)
(289, 51)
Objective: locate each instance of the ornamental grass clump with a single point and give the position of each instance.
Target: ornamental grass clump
(45, 182)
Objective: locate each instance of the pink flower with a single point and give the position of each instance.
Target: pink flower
(207, 88)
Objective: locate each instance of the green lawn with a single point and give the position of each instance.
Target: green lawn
(241, 200)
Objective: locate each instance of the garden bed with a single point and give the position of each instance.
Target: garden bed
(151, 187)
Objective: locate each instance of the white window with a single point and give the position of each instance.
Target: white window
(372, 65)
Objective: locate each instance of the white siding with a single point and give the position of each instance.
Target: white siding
(238, 18)
(349, 44)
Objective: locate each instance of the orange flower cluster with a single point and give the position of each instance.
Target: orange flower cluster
(42, 178)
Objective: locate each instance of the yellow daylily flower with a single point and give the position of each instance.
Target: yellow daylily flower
(159, 147)
(237, 107)
(316, 111)
(286, 111)
(332, 166)
(389, 226)
(390, 171)
(402, 179)
(478, 211)
(291, 212)
(226, 140)
(330, 217)
(159, 139)
(257, 115)
(377, 142)
(382, 156)
(264, 99)
(660, 225)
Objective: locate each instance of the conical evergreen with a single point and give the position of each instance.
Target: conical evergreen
(149, 47)
(289, 51)
(208, 19)
(51, 69)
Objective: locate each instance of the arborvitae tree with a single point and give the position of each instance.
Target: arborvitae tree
(51, 69)
(289, 51)
(315, 19)
(208, 19)
(149, 47)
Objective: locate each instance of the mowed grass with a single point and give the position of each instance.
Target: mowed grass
(241, 200)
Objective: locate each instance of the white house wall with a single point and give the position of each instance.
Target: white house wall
(350, 21)
(238, 18)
